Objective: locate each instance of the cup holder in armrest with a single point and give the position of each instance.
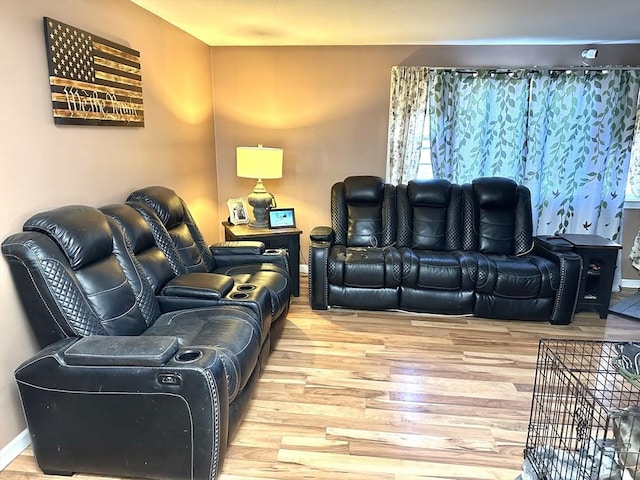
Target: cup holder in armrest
(188, 356)
(246, 287)
(239, 295)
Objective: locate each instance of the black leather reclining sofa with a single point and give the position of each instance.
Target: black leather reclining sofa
(437, 247)
(153, 341)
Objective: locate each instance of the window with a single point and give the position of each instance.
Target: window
(425, 169)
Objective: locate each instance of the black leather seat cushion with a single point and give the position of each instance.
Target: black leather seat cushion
(232, 331)
(364, 267)
(508, 276)
(437, 270)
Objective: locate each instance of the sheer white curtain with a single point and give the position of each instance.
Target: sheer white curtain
(407, 117)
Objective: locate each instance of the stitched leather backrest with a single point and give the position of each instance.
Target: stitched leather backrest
(137, 233)
(143, 290)
(429, 215)
(87, 290)
(177, 220)
(497, 216)
(363, 212)
(163, 201)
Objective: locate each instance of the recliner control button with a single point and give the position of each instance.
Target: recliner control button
(169, 379)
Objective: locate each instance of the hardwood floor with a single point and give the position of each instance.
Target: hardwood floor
(389, 395)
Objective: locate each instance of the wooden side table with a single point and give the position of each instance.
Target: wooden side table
(599, 256)
(288, 238)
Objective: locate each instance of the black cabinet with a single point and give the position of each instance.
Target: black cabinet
(599, 257)
(288, 238)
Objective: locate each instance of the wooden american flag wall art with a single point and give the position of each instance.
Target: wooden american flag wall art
(93, 81)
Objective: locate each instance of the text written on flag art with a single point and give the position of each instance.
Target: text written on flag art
(93, 81)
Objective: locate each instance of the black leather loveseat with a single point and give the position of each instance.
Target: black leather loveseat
(153, 341)
(437, 247)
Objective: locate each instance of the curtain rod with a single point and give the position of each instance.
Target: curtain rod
(537, 67)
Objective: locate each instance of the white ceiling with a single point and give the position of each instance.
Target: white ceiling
(402, 22)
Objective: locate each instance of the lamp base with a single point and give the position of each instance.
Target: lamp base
(260, 200)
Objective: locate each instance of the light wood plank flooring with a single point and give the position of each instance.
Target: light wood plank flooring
(388, 395)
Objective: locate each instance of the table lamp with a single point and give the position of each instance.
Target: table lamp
(259, 163)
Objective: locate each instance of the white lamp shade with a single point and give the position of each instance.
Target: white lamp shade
(259, 162)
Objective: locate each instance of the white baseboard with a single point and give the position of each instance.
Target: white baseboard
(304, 269)
(14, 448)
(627, 283)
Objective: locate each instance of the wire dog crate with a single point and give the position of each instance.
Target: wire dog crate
(585, 415)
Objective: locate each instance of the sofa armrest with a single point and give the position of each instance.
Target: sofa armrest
(276, 256)
(553, 243)
(101, 350)
(322, 239)
(570, 265)
(194, 290)
(143, 408)
(243, 247)
(205, 286)
(322, 234)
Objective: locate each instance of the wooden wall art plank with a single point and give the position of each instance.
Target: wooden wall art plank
(93, 81)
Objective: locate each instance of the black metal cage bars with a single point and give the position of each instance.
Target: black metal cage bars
(585, 414)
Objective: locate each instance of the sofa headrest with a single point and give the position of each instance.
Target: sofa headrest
(82, 233)
(134, 226)
(164, 201)
(495, 193)
(429, 193)
(366, 190)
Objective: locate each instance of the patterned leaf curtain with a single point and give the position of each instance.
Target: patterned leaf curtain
(407, 117)
(478, 124)
(565, 135)
(579, 145)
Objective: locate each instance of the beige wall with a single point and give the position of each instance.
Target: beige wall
(328, 108)
(44, 166)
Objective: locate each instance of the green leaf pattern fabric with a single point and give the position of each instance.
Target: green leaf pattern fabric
(581, 127)
(567, 135)
(478, 124)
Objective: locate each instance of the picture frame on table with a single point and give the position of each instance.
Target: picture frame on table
(238, 211)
